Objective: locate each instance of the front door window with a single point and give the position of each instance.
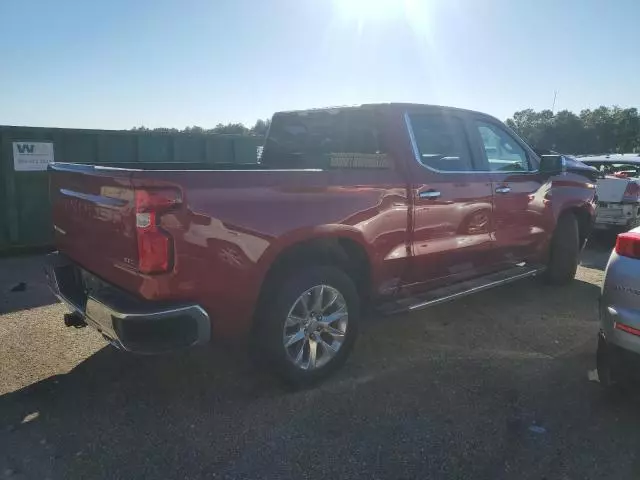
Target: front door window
(503, 153)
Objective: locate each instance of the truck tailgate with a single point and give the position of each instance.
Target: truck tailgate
(94, 220)
(611, 190)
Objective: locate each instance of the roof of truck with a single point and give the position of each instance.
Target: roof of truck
(386, 106)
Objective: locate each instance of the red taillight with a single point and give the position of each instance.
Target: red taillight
(627, 328)
(631, 193)
(628, 245)
(155, 246)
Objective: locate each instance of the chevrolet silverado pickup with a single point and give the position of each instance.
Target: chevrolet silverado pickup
(387, 207)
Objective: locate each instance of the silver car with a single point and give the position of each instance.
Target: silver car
(619, 338)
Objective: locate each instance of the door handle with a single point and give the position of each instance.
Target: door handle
(503, 189)
(429, 194)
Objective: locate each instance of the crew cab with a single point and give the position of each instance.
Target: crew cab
(391, 207)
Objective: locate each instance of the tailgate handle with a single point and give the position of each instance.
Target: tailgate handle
(96, 199)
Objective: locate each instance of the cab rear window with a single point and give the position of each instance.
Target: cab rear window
(324, 139)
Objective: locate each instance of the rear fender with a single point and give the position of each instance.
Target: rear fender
(302, 236)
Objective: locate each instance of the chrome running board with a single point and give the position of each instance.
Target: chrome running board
(462, 289)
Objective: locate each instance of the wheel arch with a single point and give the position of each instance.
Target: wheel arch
(344, 249)
(584, 218)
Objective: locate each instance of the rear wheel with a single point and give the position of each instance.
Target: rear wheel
(564, 252)
(309, 325)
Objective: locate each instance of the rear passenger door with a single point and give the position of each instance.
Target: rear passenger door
(452, 211)
(520, 228)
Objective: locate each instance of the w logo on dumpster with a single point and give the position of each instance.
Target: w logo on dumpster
(32, 156)
(25, 147)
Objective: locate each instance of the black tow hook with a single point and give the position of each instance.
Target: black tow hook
(74, 320)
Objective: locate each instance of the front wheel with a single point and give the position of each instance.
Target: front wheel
(564, 253)
(309, 326)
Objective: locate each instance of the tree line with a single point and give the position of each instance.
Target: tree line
(259, 129)
(602, 130)
(599, 131)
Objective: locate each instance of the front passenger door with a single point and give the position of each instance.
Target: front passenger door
(451, 239)
(520, 229)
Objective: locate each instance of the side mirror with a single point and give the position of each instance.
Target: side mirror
(553, 164)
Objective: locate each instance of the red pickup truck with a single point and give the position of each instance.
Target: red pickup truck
(390, 206)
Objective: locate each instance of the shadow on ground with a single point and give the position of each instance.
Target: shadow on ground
(597, 251)
(119, 409)
(23, 284)
(452, 392)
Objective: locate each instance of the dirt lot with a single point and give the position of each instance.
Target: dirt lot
(490, 387)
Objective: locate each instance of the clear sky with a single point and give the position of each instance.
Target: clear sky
(123, 63)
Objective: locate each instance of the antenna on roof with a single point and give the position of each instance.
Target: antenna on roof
(553, 107)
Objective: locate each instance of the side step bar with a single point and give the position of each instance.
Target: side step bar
(462, 289)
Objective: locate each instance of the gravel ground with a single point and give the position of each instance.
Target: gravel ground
(493, 386)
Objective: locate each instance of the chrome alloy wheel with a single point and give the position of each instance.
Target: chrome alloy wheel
(315, 327)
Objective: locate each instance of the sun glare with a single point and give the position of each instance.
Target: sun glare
(378, 10)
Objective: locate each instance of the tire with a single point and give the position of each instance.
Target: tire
(282, 320)
(564, 251)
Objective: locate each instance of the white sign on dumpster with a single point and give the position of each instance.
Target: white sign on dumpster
(32, 156)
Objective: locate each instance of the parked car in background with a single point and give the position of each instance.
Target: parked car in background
(618, 355)
(390, 206)
(618, 191)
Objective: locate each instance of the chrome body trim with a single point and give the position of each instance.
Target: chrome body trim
(98, 199)
(477, 289)
(101, 316)
(429, 194)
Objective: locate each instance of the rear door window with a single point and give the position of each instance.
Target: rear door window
(441, 142)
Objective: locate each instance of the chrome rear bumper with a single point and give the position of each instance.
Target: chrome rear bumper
(129, 323)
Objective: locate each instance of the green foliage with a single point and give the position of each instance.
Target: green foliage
(603, 130)
(259, 129)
